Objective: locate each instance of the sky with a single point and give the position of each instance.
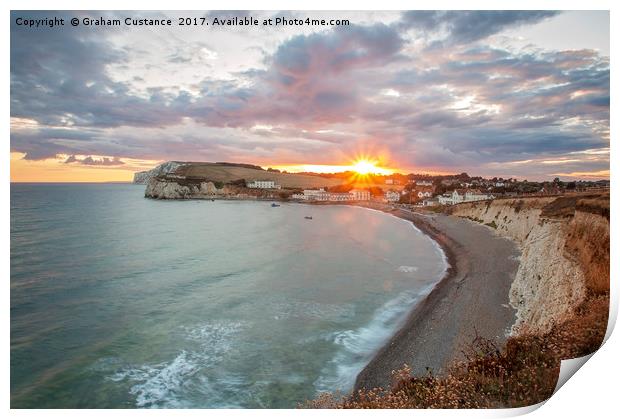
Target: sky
(520, 94)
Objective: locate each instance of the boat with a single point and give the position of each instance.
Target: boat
(273, 205)
(307, 217)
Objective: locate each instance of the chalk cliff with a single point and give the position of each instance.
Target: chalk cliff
(162, 187)
(565, 252)
(166, 168)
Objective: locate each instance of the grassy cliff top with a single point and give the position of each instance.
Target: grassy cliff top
(226, 173)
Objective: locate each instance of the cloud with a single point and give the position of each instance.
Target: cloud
(462, 27)
(59, 77)
(456, 100)
(90, 161)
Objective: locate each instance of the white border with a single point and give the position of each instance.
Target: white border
(590, 393)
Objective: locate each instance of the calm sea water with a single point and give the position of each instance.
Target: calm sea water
(121, 301)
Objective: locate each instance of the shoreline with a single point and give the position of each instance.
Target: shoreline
(470, 300)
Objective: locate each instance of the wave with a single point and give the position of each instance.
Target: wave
(166, 384)
(357, 347)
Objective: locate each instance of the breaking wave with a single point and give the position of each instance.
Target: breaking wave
(165, 384)
(357, 347)
(407, 269)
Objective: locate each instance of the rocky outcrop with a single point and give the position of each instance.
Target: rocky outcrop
(161, 187)
(167, 168)
(553, 276)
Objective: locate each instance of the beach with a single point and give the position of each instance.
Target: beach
(471, 300)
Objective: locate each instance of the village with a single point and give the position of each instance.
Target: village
(427, 191)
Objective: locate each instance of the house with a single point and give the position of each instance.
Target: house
(392, 196)
(430, 202)
(423, 192)
(340, 196)
(263, 184)
(322, 195)
(425, 183)
(313, 195)
(462, 195)
(360, 194)
(451, 198)
(476, 195)
(392, 181)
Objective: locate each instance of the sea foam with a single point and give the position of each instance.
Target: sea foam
(163, 385)
(356, 347)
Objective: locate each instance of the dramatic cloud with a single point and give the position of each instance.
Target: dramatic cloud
(462, 27)
(445, 91)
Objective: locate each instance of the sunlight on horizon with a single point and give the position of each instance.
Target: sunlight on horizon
(362, 166)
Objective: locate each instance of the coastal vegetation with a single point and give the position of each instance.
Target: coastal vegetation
(491, 224)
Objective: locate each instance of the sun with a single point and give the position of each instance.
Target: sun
(365, 167)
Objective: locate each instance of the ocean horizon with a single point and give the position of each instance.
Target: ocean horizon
(118, 301)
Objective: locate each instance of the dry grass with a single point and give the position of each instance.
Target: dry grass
(587, 240)
(226, 174)
(598, 205)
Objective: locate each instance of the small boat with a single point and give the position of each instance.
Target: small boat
(307, 217)
(273, 205)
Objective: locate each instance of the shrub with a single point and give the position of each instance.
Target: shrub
(492, 225)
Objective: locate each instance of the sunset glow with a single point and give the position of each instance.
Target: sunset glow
(57, 169)
(364, 167)
(361, 167)
(403, 92)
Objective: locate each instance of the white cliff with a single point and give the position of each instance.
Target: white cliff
(550, 280)
(167, 168)
(159, 188)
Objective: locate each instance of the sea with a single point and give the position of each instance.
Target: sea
(119, 301)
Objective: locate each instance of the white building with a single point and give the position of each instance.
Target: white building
(313, 193)
(317, 195)
(263, 184)
(392, 196)
(340, 196)
(430, 202)
(360, 194)
(322, 195)
(476, 195)
(461, 195)
(450, 198)
(424, 183)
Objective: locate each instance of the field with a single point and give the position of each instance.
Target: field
(227, 173)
